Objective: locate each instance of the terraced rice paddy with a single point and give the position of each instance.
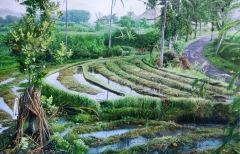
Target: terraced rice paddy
(131, 92)
(142, 79)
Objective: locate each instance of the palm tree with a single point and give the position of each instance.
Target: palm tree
(66, 35)
(163, 30)
(110, 22)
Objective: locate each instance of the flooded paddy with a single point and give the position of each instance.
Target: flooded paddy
(6, 81)
(104, 95)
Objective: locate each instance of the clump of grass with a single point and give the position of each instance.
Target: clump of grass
(70, 100)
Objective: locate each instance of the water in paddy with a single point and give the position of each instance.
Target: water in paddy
(6, 81)
(130, 142)
(5, 107)
(108, 133)
(124, 144)
(104, 95)
(117, 86)
(2, 128)
(203, 145)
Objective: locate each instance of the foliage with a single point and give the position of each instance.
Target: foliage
(79, 147)
(76, 16)
(59, 144)
(83, 46)
(30, 40)
(74, 27)
(126, 21)
(232, 127)
(199, 86)
(138, 107)
(9, 19)
(114, 51)
(47, 103)
(141, 41)
(82, 118)
(71, 100)
(178, 47)
(226, 60)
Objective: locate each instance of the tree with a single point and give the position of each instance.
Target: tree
(76, 16)
(110, 22)
(29, 41)
(163, 31)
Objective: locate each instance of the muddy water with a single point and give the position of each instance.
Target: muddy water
(108, 133)
(6, 81)
(117, 86)
(5, 107)
(105, 95)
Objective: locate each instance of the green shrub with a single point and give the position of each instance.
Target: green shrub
(178, 47)
(114, 51)
(79, 147)
(71, 136)
(81, 118)
(59, 144)
(83, 46)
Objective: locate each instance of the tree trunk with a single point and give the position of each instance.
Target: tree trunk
(195, 35)
(66, 28)
(30, 107)
(163, 31)
(187, 36)
(110, 27)
(200, 33)
(170, 43)
(219, 44)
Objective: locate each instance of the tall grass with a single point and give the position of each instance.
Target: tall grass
(70, 100)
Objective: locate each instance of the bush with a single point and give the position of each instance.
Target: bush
(142, 41)
(114, 51)
(83, 46)
(79, 147)
(81, 118)
(178, 47)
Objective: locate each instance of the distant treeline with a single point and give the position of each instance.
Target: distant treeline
(9, 19)
(76, 16)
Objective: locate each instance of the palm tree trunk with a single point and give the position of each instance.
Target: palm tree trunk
(66, 28)
(110, 27)
(163, 31)
(195, 35)
(219, 44)
(200, 28)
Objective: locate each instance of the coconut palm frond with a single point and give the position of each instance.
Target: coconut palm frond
(229, 45)
(235, 6)
(83, 109)
(233, 81)
(228, 26)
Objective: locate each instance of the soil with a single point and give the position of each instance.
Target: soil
(194, 53)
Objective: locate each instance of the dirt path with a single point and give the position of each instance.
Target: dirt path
(194, 52)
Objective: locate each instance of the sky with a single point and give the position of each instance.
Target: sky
(93, 6)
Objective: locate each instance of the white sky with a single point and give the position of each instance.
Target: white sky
(93, 6)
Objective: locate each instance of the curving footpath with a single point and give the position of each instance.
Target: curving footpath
(194, 52)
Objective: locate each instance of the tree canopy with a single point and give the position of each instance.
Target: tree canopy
(76, 16)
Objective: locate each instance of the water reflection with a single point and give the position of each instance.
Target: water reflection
(108, 133)
(6, 81)
(117, 86)
(52, 80)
